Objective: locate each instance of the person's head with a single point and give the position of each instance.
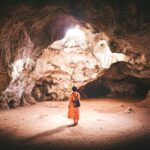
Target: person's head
(74, 89)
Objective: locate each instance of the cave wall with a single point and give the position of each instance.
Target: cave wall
(27, 28)
(114, 83)
(4, 77)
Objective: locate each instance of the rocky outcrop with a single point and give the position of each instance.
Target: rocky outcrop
(146, 101)
(44, 61)
(70, 61)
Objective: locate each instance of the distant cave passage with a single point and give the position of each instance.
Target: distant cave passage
(94, 91)
(130, 87)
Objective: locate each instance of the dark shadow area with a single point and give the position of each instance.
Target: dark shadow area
(46, 133)
(128, 87)
(94, 90)
(139, 143)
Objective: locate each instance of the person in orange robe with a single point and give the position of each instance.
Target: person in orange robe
(73, 112)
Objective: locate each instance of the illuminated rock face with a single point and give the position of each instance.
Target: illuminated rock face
(44, 63)
(64, 63)
(103, 53)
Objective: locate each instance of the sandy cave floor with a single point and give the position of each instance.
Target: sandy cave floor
(104, 124)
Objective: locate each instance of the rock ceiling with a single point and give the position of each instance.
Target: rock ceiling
(46, 49)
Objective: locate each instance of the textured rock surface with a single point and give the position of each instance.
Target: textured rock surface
(145, 102)
(67, 62)
(43, 61)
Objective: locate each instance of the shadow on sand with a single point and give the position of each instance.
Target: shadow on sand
(30, 143)
(46, 133)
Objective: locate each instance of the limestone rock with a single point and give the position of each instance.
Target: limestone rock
(40, 60)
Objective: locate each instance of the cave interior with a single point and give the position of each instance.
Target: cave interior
(100, 46)
(40, 61)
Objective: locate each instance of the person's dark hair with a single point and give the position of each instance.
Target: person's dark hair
(74, 89)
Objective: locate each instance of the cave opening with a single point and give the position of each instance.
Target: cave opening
(129, 87)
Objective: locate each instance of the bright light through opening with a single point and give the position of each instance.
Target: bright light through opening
(75, 39)
(75, 33)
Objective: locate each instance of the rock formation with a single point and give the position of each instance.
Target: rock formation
(45, 49)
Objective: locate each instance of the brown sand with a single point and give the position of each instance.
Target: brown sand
(104, 124)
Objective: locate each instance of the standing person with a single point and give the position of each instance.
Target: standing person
(73, 112)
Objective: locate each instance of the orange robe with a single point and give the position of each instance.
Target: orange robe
(73, 112)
